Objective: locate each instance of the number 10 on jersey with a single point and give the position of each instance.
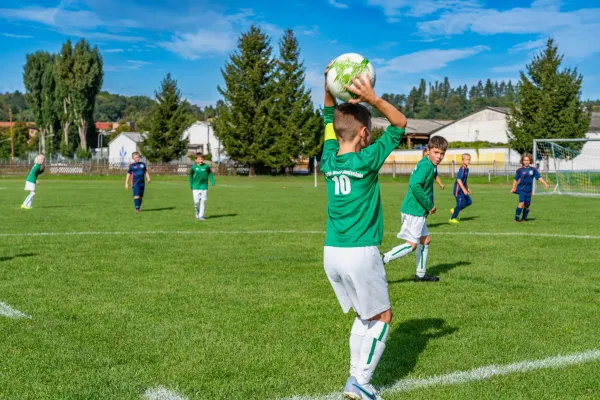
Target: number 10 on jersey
(342, 185)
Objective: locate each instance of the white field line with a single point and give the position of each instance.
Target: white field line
(160, 393)
(477, 374)
(8, 311)
(288, 232)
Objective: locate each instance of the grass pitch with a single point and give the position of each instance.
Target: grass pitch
(238, 306)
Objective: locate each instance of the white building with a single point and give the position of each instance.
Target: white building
(203, 140)
(487, 125)
(121, 147)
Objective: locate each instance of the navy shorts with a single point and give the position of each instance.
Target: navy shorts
(524, 198)
(138, 190)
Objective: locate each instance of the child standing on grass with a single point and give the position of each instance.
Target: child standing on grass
(137, 171)
(355, 225)
(32, 181)
(461, 189)
(523, 186)
(198, 176)
(417, 205)
(437, 178)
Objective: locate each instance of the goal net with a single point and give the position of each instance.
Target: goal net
(570, 166)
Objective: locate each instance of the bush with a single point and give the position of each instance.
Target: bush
(83, 154)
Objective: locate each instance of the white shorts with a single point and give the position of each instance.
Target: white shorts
(199, 195)
(413, 228)
(357, 276)
(30, 186)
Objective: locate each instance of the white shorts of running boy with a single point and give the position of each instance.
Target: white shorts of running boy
(199, 195)
(29, 186)
(413, 228)
(357, 276)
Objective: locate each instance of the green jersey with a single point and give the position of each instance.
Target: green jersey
(354, 214)
(418, 201)
(34, 173)
(199, 175)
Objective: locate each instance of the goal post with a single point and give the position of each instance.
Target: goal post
(570, 166)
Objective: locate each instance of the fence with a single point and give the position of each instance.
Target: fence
(21, 168)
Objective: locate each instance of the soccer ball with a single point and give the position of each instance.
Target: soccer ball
(343, 70)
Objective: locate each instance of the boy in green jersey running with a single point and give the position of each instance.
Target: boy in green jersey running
(355, 225)
(417, 205)
(198, 176)
(32, 181)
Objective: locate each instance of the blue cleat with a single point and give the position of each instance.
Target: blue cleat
(354, 391)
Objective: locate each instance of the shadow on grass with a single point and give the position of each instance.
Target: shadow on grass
(221, 216)
(17, 256)
(436, 270)
(448, 223)
(404, 346)
(159, 209)
(63, 206)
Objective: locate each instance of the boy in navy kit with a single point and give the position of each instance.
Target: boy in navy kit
(523, 186)
(461, 189)
(137, 171)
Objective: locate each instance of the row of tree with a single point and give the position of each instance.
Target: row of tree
(267, 120)
(442, 101)
(61, 91)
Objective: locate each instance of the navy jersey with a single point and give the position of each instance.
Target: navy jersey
(137, 172)
(463, 175)
(525, 176)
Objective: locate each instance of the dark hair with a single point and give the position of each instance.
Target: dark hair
(135, 153)
(348, 119)
(199, 155)
(438, 142)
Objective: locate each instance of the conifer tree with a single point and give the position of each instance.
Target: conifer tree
(164, 141)
(548, 103)
(245, 124)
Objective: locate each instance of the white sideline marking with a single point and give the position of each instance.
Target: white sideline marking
(477, 374)
(8, 311)
(290, 232)
(160, 393)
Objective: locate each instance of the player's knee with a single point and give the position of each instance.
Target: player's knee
(413, 245)
(521, 205)
(527, 205)
(385, 316)
(426, 240)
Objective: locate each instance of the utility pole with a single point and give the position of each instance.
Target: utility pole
(12, 140)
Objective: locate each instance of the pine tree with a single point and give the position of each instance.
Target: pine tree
(245, 124)
(297, 122)
(548, 103)
(164, 141)
(50, 105)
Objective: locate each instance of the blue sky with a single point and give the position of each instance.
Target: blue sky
(466, 40)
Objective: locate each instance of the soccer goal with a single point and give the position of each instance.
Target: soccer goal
(570, 166)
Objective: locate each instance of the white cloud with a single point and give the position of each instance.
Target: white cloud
(307, 31)
(337, 4)
(428, 60)
(136, 64)
(571, 29)
(393, 9)
(113, 51)
(192, 46)
(510, 68)
(529, 45)
(271, 29)
(13, 36)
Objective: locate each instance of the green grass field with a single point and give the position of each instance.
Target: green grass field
(239, 307)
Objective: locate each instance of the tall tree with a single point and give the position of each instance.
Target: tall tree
(63, 75)
(293, 109)
(169, 119)
(245, 125)
(87, 82)
(33, 73)
(50, 105)
(548, 103)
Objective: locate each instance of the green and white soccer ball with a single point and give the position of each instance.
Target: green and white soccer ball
(343, 70)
